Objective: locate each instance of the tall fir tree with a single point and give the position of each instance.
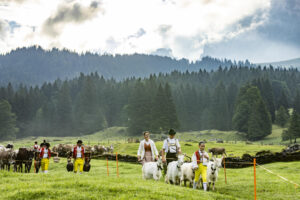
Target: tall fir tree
(64, 111)
(8, 127)
(282, 116)
(294, 128)
(139, 109)
(219, 108)
(296, 104)
(251, 114)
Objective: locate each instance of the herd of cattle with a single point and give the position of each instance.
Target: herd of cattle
(21, 159)
(16, 158)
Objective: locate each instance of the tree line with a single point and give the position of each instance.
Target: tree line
(34, 65)
(245, 99)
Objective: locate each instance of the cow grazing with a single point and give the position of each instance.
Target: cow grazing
(217, 151)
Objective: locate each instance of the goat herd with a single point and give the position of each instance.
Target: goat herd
(179, 172)
(21, 159)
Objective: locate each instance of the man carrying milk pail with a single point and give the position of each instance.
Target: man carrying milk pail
(171, 148)
(78, 155)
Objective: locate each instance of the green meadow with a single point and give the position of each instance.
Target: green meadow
(60, 184)
(118, 136)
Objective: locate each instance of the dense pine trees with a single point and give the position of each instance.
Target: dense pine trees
(8, 127)
(251, 115)
(230, 98)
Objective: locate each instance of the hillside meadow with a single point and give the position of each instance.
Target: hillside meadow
(63, 185)
(59, 184)
(234, 143)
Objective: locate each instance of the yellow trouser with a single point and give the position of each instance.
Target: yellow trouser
(45, 164)
(78, 161)
(200, 171)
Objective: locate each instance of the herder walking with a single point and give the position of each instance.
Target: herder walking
(45, 155)
(78, 155)
(171, 148)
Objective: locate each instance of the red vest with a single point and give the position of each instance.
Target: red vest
(42, 153)
(75, 152)
(36, 146)
(198, 157)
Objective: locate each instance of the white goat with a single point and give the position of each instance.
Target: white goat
(212, 171)
(174, 171)
(152, 170)
(187, 173)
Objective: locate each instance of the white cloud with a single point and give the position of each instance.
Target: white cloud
(182, 26)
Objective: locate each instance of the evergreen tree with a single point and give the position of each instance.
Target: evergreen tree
(283, 101)
(267, 94)
(296, 104)
(64, 111)
(231, 99)
(138, 110)
(294, 128)
(170, 109)
(281, 116)
(219, 108)
(286, 135)
(251, 115)
(88, 115)
(8, 127)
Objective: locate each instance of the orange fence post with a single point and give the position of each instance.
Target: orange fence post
(225, 171)
(107, 166)
(117, 164)
(254, 166)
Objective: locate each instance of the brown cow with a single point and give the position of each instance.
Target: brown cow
(24, 156)
(6, 159)
(217, 151)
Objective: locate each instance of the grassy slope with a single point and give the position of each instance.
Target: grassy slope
(118, 136)
(59, 184)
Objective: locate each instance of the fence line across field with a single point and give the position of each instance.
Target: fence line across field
(283, 178)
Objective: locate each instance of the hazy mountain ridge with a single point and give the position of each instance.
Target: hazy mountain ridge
(35, 65)
(286, 63)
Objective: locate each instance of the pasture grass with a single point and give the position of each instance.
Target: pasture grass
(189, 141)
(63, 185)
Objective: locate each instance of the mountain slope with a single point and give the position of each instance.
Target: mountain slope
(286, 63)
(34, 65)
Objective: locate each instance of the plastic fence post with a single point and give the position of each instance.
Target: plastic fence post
(107, 166)
(254, 166)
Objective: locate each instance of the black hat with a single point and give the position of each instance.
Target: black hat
(79, 142)
(47, 145)
(43, 143)
(172, 132)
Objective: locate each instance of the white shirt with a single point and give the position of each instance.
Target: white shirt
(203, 160)
(141, 150)
(79, 152)
(45, 153)
(171, 145)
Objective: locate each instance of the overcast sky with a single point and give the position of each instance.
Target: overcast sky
(258, 30)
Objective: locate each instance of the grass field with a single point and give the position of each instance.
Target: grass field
(118, 136)
(59, 184)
